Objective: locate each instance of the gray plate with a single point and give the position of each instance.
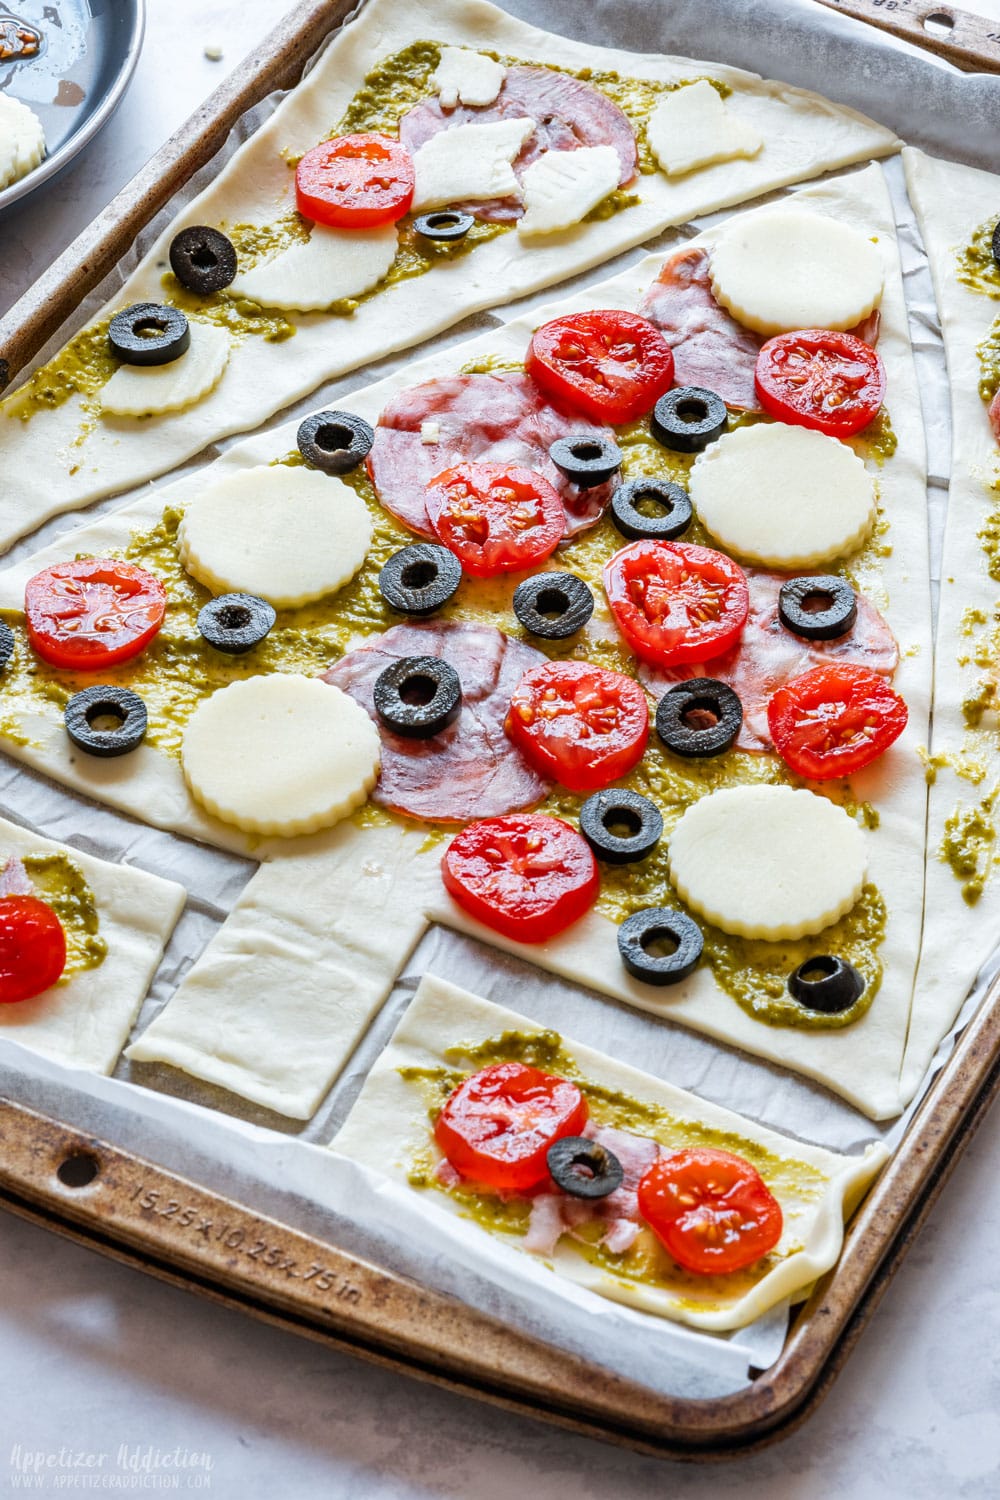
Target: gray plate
(75, 84)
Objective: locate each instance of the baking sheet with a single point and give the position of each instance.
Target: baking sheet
(282, 1168)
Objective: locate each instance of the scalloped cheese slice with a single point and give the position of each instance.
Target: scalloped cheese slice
(767, 861)
(289, 535)
(784, 496)
(22, 140)
(466, 77)
(282, 754)
(694, 127)
(469, 163)
(148, 390)
(790, 269)
(561, 187)
(331, 266)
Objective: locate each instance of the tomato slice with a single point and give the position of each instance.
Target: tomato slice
(498, 1124)
(90, 614)
(355, 181)
(580, 725)
(675, 602)
(835, 719)
(712, 1210)
(610, 365)
(526, 875)
(834, 382)
(496, 518)
(32, 948)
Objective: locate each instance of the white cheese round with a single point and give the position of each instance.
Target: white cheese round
(331, 266)
(791, 269)
(782, 496)
(560, 187)
(694, 127)
(287, 534)
(22, 140)
(148, 390)
(280, 755)
(767, 861)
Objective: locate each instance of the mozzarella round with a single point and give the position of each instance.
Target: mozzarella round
(280, 755)
(693, 127)
(22, 140)
(767, 861)
(560, 187)
(287, 534)
(333, 264)
(148, 390)
(466, 77)
(783, 496)
(469, 163)
(789, 269)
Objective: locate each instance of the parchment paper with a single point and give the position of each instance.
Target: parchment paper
(281, 1168)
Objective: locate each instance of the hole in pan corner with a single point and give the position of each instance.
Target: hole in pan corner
(78, 1170)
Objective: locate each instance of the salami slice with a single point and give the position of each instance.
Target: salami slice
(14, 879)
(769, 655)
(471, 769)
(994, 416)
(502, 418)
(567, 112)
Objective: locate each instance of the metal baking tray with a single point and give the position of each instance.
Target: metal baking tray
(137, 1212)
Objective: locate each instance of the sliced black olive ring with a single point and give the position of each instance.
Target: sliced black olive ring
(6, 644)
(826, 984)
(418, 696)
(995, 245)
(553, 605)
(587, 459)
(334, 441)
(445, 224)
(582, 1168)
(417, 580)
(688, 419)
(699, 717)
(125, 708)
(819, 608)
(620, 826)
(651, 509)
(203, 259)
(677, 937)
(149, 333)
(235, 623)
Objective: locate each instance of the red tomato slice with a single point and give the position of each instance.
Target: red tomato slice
(835, 719)
(498, 1124)
(32, 948)
(580, 725)
(355, 181)
(712, 1210)
(675, 602)
(526, 875)
(610, 365)
(815, 378)
(88, 615)
(496, 518)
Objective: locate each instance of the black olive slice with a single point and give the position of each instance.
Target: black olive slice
(6, 644)
(149, 333)
(417, 580)
(688, 419)
(587, 459)
(582, 1168)
(203, 259)
(334, 441)
(699, 717)
(995, 245)
(553, 605)
(85, 709)
(674, 932)
(819, 608)
(620, 826)
(235, 622)
(826, 984)
(649, 508)
(418, 696)
(444, 224)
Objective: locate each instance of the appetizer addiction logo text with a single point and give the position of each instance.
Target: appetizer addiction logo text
(129, 1467)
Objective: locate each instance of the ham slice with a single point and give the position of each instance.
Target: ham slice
(14, 879)
(554, 1213)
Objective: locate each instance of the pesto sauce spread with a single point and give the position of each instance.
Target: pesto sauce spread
(60, 883)
(646, 1261)
(975, 266)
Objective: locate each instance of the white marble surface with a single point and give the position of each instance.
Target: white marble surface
(95, 1358)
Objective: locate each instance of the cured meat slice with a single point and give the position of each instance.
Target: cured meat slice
(567, 112)
(769, 655)
(554, 1214)
(710, 347)
(471, 769)
(994, 416)
(501, 418)
(14, 879)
